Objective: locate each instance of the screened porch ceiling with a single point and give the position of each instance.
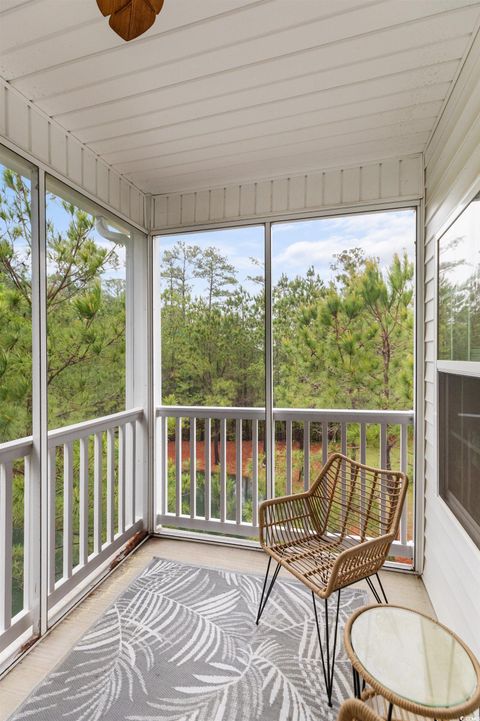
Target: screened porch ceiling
(231, 90)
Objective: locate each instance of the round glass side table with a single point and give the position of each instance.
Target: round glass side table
(413, 662)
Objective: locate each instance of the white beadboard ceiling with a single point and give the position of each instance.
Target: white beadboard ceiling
(223, 91)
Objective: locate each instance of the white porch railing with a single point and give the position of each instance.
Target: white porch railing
(92, 511)
(211, 476)
(198, 491)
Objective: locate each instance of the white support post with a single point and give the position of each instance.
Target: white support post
(269, 420)
(41, 519)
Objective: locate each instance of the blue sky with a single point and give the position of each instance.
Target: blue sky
(297, 245)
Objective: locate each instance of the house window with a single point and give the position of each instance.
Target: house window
(459, 288)
(460, 449)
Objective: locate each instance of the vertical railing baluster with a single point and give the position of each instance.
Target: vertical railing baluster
(404, 468)
(223, 470)
(207, 485)
(97, 493)
(239, 471)
(28, 539)
(67, 509)
(288, 453)
(193, 467)
(52, 517)
(83, 502)
(255, 472)
(383, 464)
(363, 459)
(324, 442)
(306, 455)
(178, 466)
(133, 472)
(6, 539)
(164, 466)
(343, 447)
(121, 478)
(110, 484)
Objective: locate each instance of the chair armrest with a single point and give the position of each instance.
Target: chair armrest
(282, 518)
(355, 710)
(359, 561)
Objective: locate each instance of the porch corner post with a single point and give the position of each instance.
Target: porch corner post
(269, 421)
(38, 568)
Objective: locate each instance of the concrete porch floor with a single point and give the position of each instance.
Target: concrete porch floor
(401, 588)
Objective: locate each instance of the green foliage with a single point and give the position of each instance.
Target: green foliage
(347, 344)
(86, 329)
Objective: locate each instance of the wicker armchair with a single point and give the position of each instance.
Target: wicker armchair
(335, 534)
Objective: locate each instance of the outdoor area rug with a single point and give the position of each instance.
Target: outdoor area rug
(181, 644)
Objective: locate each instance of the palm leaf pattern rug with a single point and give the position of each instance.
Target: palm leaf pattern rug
(181, 644)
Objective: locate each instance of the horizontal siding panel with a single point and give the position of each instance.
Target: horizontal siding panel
(74, 160)
(160, 217)
(33, 132)
(247, 200)
(452, 160)
(188, 208)
(217, 204)
(351, 185)
(332, 187)
(315, 190)
(114, 191)
(58, 149)
(263, 204)
(296, 194)
(90, 172)
(40, 138)
(202, 207)
(280, 195)
(17, 120)
(372, 183)
(232, 201)
(390, 178)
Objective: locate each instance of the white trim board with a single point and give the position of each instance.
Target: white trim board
(391, 181)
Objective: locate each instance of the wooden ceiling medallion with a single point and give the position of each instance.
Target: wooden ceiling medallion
(130, 18)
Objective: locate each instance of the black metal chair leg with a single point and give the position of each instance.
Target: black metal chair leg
(373, 590)
(264, 597)
(382, 588)
(328, 660)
